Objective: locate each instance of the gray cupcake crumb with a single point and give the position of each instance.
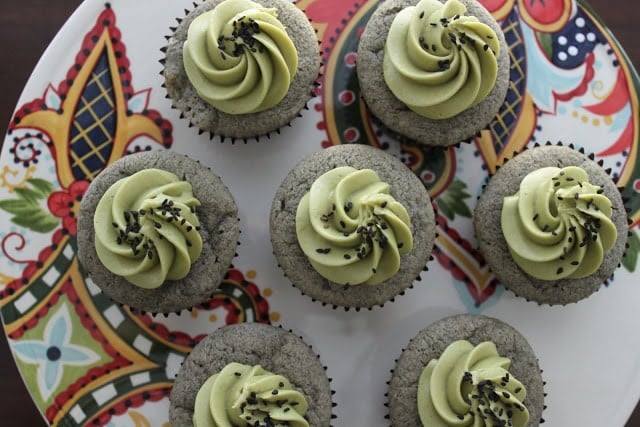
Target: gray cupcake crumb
(206, 117)
(393, 113)
(406, 188)
(493, 246)
(276, 350)
(220, 230)
(431, 342)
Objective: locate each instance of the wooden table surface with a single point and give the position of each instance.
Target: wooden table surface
(27, 27)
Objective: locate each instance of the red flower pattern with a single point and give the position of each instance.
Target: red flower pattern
(541, 15)
(65, 204)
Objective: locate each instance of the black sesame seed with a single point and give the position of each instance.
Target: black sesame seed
(421, 15)
(347, 256)
(559, 270)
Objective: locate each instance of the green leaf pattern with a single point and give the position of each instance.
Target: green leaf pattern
(27, 208)
(452, 201)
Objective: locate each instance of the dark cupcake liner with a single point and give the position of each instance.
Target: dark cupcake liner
(223, 348)
(540, 291)
(220, 231)
(488, 329)
(406, 188)
(241, 120)
(383, 104)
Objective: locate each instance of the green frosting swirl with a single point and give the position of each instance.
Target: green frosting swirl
(239, 58)
(470, 386)
(558, 225)
(351, 229)
(241, 395)
(146, 229)
(438, 61)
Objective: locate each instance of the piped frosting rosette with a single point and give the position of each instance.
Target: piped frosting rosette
(438, 61)
(239, 57)
(351, 229)
(146, 228)
(558, 225)
(242, 395)
(470, 386)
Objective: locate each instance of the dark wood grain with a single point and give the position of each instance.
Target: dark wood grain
(27, 27)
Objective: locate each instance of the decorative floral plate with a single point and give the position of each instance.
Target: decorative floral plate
(97, 95)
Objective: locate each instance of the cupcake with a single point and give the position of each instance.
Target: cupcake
(251, 374)
(352, 226)
(242, 68)
(551, 225)
(463, 368)
(157, 231)
(434, 71)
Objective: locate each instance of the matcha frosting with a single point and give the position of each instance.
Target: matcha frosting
(239, 57)
(470, 386)
(438, 61)
(241, 395)
(558, 225)
(351, 229)
(146, 229)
